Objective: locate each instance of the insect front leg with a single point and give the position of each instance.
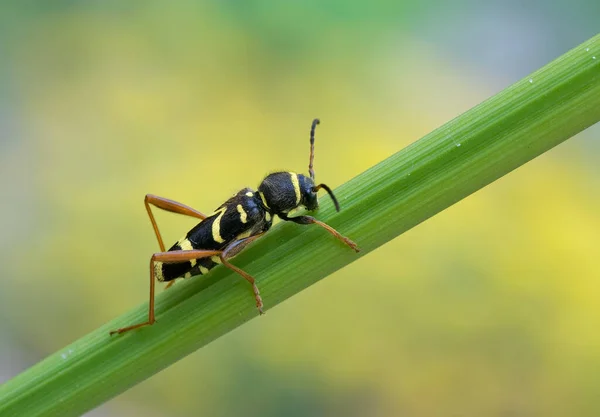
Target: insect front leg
(166, 257)
(312, 220)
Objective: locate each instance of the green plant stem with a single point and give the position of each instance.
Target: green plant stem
(464, 155)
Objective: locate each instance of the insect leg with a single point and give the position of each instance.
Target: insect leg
(233, 249)
(168, 205)
(166, 257)
(312, 220)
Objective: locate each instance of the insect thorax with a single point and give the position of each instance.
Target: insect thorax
(285, 191)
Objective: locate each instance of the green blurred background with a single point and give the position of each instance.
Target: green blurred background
(489, 309)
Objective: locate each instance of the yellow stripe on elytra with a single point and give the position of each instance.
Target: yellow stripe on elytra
(243, 215)
(215, 259)
(204, 270)
(296, 184)
(185, 244)
(216, 226)
(267, 216)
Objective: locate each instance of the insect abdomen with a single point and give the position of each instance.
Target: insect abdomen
(186, 269)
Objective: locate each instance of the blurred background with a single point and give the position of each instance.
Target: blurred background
(490, 308)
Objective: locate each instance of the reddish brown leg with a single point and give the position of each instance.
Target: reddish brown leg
(335, 233)
(173, 256)
(233, 249)
(168, 205)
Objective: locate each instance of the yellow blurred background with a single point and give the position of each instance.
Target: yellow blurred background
(491, 308)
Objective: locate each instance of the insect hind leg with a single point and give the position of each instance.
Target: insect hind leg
(167, 205)
(166, 257)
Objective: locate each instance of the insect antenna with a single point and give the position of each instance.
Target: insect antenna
(311, 171)
(326, 188)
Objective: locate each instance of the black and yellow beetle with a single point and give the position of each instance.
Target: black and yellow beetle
(240, 220)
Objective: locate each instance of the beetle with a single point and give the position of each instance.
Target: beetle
(236, 223)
